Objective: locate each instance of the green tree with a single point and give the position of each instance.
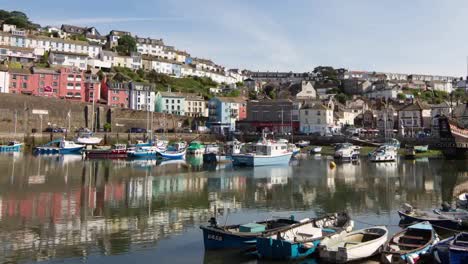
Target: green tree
(233, 93)
(341, 98)
(126, 45)
(107, 127)
(18, 21)
(401, 96)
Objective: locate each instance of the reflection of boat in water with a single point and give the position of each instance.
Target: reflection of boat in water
(171, 162)
(195, 160)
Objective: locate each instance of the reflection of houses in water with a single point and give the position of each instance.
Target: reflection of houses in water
(226, 183)
(139, 190)
(223, 205)
(177, 184)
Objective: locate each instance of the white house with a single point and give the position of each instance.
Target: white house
(445, 86)
(149, 46)
(4, 80)
(195, 106)
(160, 65)
(142, 96)
(316, 118)
(413, 118)
(79, 60)
(307, 92)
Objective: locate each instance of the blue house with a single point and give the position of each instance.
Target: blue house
(223, 112)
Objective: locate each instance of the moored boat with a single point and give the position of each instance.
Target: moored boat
(462, 200)
(263, 153)
(303, 143)
(302, 239)
(410, 244)
(59, 146)
(409, 215)
(315, 150)
(383, 153)
(240, 236)
(143, 152)
(452, 250)
(88, 139)
(173, 154)
(12, 146)
(195, 147)
(117, 151)
(421, 148)
(353, 246)
(410, 153)
(346, 152)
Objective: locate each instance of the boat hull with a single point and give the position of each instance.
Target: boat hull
(13, 148)
(443, 223)
(284, 250)
(173, 156)
(215, 239)
(89, 141)
(253, 160)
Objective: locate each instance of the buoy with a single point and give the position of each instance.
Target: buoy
(332, 165)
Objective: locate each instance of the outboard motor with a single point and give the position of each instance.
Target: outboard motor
(407, 208)
(446, 207)
(213, 222)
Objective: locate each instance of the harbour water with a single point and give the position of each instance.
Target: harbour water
(57, 209)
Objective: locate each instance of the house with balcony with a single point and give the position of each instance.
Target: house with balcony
(316, 118)
(69, 59)
(223, 112)
(17, 54)
(142, 96)
(413, 118)
(170, 103)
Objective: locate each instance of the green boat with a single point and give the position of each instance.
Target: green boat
(422, 148)
(196, 147)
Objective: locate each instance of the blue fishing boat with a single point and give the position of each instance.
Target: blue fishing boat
(241, 237)
(458, 249)
(450, 221)
(302, 239)
(59, 146)
(173, 154)
(410, 244)
(143, 152)
(12, 146)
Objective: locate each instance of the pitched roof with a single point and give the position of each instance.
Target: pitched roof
(44, 70)
(20, 71)
(315, 106)
(171, 94)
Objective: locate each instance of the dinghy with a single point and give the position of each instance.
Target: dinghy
(409, 215)
(241, 237)
(353, 246)
(410, 244)
(302, 239)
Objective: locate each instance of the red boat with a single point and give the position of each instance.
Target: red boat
(118, 151)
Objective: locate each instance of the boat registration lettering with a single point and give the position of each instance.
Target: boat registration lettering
(215, 237)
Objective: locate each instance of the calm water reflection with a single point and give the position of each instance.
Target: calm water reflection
(61, 208)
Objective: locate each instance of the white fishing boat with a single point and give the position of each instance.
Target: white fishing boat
(353, 246)
(315, 150)
(303, 143)
(384, 153)
(88, 139)
(263, 153)
(346, 152)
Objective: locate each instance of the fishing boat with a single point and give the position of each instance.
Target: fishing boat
(453, 249)
(302, 239)
(410, 244)
(59, 146)
(214, 154)
(410, 152)
(383, 153)
(12, 146)
(315, 150)
(303, 143)
(263, 153)
(88, 139)
(295, 150)
(143, 152)
(117, 151)
(393, 142)
(409, 215)
(174, 151)
(421, 148)
(353, 246)
(346, 152)
(195, 147)
(241, 236)
(141, 143)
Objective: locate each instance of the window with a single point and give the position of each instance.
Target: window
(178, 101)
(69, 84)
(14, 76)
(167, 101)
(41, 90)
(25, 78)
(56, 77)
(306, 112)
(54, 84)
(41, 83)
(24, 85)
(41, 75)
(55, 90)
(13, 85)
(318, 113)
(173, 101)
(71, 76)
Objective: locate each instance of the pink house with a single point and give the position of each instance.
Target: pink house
(115, 93)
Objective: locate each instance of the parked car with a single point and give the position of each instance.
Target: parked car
(136, 130)
(54, 130)
(159, 130)
(82, 130)
(187, 130)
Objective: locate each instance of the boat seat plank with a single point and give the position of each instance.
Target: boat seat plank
(409, 245)
(413, 237)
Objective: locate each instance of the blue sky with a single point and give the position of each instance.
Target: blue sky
(418, 36)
